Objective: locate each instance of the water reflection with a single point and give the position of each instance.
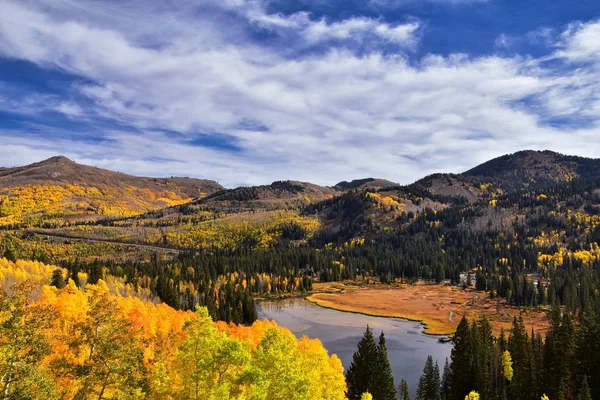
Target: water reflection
(407, 345)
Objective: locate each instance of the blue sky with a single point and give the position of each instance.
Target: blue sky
(252, 91)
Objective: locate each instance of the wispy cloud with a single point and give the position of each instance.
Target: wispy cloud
(400, 3)
(334, 113)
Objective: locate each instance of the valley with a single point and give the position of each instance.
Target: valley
(497, 257)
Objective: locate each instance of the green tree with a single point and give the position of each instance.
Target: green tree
(584, 392)
(520, 350)
(461, 373)
(360, 373)
(9, 254)
(404, 395)
(588, 352)
(440, 273)
(429, 383)
(445, 393)
(58, 280)
(383, 387)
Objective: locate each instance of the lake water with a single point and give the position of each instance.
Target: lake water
(340, 332)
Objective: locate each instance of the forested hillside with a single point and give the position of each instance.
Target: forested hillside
(531, 243)
(58, 191)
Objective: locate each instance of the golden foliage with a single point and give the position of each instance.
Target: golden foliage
(507, 368)
(472, 396)
(33, 204)
(98, 344)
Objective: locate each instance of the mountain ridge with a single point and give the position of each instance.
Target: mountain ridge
(522, 166)
(86, 192)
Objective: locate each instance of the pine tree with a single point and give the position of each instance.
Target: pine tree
(75, 277)
(404, 390)
(58, 280)
(584, 392)
(588, 353)
(563, 390)
(440, 273)
(520, 350)
(383, 387)
(9, 254)
(429, 383)
(485, 343)
(461, 376)
(445, 393)
(95, 273)
(360, 373)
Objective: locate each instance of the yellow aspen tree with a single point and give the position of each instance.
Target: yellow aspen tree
(472, 396)
(507, 369)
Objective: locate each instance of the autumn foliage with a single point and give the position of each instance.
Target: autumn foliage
(90, 343)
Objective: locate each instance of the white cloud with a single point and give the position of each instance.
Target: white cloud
(403, 34)
(581, 42)
(314, 31)
(327, 116)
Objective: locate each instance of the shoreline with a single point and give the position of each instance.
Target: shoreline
(437, 308)
(427, 330)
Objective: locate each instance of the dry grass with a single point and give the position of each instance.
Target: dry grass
(439, 308)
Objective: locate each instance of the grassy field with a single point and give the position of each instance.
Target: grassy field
(439, 308)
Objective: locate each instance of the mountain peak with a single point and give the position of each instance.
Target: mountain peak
(57, 159)
(365, 183)
(533, 169)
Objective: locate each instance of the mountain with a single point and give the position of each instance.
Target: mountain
(278, 195)
(366, 183)
(62, 170)
(60, 188)
(448, 185)
(533, 170)
(183, 212)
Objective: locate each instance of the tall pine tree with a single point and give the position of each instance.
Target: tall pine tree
(445, 393)
(461, 373)
(360, 374)
(404, 390)
(429, 383)
(383, 387)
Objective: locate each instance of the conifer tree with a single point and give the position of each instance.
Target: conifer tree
(57, 279)
(584, 392)
(485, 343)
(588, 352)
(461, 376)
(75, 277)
(404, 395)
(429, 383)
(383, 387)
(520, 350)
(360, 373)
(445, 393)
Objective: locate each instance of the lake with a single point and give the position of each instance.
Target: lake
(340, 332)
